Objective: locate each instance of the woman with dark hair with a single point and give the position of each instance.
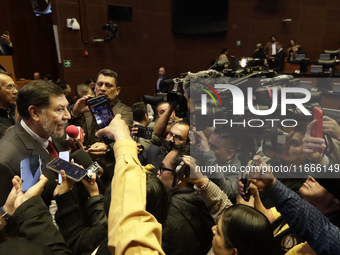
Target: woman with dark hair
(240, 229)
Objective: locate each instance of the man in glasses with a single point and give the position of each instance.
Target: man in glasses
(155, 154)
(188, 226)
(8, 93)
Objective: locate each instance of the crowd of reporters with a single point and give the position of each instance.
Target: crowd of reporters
(136, 204)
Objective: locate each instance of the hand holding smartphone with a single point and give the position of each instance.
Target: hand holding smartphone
(73, 172)
(102, 113)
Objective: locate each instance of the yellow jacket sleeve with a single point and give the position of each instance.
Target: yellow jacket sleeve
(301, 249)
(132, 230)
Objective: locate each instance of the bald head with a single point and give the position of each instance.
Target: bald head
(36, 76)
(161, 71)
(8, 91)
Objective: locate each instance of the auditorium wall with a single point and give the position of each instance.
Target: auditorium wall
(147, 42)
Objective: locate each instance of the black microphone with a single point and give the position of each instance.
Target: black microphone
(81, 157)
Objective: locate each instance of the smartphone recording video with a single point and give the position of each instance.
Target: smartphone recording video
(73, 172)
(102, 113)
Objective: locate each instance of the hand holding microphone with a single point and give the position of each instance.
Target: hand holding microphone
(75, 137)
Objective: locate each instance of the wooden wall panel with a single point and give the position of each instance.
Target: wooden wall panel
(147, 42)
(32, 38)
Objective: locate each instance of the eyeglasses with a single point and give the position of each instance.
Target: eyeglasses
(177, 138)
(162, 168)
(12, 86)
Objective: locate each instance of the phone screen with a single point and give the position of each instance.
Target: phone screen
(30, 171)
(74, 172)
(102, 113)
(65, 155)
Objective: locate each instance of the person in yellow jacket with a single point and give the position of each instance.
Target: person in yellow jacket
(132, 230)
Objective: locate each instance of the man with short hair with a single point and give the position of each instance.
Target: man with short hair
(140, 113)
(178, 134)
(108, 85)
(83, 90)
(43, 109)
(8, 93)
(271, 50)
(36, 76)
(188, 226)
(224, 146)
(161, 109)
(161, 86)
(271, 47)
(140, 118)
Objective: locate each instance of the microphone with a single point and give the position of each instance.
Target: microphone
(81, 157)
(73, 132)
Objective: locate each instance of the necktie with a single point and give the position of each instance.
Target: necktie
(51, 150)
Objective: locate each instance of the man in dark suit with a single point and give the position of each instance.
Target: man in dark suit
(43, 109)
(8, 93)
(161, 86)
(279, 59)
(6, 46)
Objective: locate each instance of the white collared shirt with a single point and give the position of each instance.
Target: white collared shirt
(274, 48)
(42, 141)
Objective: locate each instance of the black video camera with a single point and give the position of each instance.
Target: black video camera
(144, 132)
(176, 97)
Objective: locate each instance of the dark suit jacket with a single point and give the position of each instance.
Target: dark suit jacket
(37, 233)
(163, 87)
(8, 50)
(280, 60)
(17, 145)
(154, 156)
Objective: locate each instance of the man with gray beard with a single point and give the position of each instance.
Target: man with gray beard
(42, 107)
